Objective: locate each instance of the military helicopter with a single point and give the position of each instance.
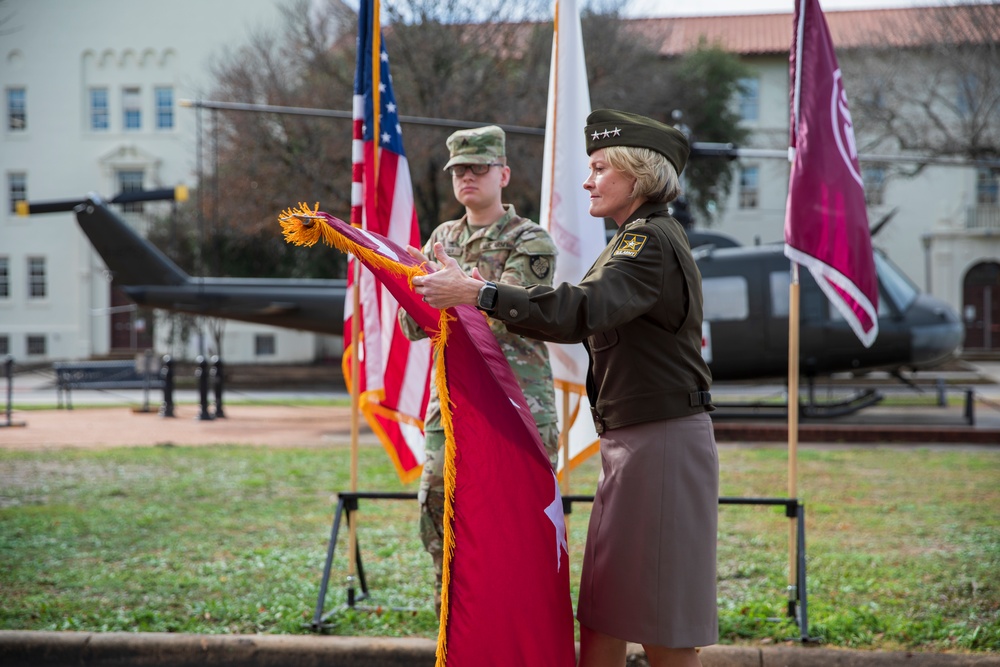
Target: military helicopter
(745, 294)
(746, 308)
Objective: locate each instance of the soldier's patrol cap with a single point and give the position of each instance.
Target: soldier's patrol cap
(608, 127)
(481, 145)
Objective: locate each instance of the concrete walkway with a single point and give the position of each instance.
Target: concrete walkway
(84, 649)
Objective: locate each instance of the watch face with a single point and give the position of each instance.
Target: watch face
(488, 296)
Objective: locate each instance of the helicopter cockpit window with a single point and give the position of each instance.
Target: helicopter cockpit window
(779, 282)
(897, 286)
(812, 301)
(883, 308)
(725, 298)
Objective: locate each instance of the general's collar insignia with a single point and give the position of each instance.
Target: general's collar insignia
(630, 245)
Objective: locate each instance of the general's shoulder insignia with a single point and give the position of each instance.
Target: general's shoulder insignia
(630, 245)
(540, 266)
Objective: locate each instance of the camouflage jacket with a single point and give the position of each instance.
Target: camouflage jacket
(512, 250)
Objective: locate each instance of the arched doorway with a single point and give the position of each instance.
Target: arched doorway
(981, 307)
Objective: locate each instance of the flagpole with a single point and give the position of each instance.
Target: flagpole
(356, 320)
(793, 419)
(566, 420)
(793, 338)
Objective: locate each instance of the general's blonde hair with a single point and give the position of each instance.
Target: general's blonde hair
(656, 178)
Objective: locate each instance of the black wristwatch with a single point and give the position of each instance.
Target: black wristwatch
(487, 299)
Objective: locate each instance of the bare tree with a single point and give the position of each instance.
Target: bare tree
(7, 19)
(484, 61)
(930, 83)
(475, 61)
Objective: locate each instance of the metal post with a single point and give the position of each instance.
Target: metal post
(9, 371)
(202, 374)
(317, 621)
(167, 375)
(147, 372)
(791, 511)
(803, 616)
(217, 385)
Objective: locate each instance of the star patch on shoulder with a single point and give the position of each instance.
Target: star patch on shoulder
(630, 245)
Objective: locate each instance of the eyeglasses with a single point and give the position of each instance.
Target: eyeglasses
(478, 169)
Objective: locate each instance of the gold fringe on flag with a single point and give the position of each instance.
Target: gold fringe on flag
(450, 474)
(299, 226)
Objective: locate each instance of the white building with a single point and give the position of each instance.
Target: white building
(946, 233)
(90, 104)
(91, 93)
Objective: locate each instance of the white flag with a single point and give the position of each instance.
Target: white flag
(564, 212)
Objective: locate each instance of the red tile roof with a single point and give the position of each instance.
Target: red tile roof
(761, 34)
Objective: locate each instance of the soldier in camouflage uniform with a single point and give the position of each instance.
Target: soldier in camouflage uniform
(506, 248)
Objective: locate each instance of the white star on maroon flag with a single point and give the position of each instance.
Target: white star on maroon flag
(555, 513)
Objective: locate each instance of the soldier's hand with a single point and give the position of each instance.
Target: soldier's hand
(418, 255)
(449, 286)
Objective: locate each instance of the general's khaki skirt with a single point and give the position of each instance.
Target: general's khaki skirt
(649, 563)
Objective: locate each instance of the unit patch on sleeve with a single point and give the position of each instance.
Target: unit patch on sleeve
(540, 266)
(630, 245)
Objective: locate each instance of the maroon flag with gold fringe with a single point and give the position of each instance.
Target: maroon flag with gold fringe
(505, 598)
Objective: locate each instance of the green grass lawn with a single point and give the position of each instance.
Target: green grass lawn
(903, 544)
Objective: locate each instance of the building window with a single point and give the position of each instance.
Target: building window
(17, 189)
(130, 181)
(36, 278)
(36, 345)
(749, 186)
(987, 186)
(99, 111)
(164, 108)
(4, 344)
(967, 95)
(874, 180)
(17, 110)
(131, 109)
(4, 277)
(264, 345)
(749, 100)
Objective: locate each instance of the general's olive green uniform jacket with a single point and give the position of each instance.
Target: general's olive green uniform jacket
(639, 313)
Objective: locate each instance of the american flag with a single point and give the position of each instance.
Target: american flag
(394, 371)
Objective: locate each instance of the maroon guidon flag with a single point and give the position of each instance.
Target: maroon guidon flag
(826, 223)
(505, 598)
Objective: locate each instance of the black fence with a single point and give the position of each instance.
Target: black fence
(348, 502)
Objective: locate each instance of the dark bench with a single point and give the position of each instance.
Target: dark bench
(100, 375)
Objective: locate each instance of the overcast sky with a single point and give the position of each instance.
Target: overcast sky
(710, 7)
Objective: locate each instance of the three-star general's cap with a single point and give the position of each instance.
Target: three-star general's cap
(608, 127)
(482, 145)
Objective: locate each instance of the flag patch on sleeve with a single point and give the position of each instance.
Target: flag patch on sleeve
(630, 245)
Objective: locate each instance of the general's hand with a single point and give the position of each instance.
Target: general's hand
(448, 286)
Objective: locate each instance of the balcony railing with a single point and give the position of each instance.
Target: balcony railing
(983, 216)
